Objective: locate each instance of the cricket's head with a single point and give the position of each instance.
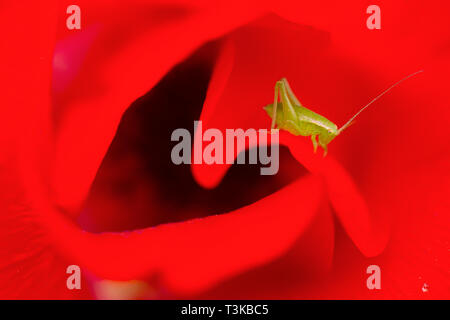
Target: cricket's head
(328, 135)
(269, 109)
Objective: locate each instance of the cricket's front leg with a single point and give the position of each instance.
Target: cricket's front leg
(290, 93)
(325, 148)
(314, 141)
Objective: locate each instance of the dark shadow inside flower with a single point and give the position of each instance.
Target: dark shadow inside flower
(138, 185)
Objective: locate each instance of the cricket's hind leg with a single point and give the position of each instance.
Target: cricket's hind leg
(288, 99)
(290, 93)
(274, 108)
(289, 113)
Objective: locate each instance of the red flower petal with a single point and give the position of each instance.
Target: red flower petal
(377, 164)
(118, 70)
(294, 275)
(209, 249)
(25, 251)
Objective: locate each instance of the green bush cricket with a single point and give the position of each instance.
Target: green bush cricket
(298, 120)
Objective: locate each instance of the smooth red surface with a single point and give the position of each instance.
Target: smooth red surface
(386, 179)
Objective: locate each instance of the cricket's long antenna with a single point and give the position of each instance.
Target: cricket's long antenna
(349, 122)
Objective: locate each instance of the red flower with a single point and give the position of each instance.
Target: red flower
(385, 179)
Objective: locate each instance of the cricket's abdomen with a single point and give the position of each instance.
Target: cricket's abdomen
(308, 122)
(314, 122)
(303, 128)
